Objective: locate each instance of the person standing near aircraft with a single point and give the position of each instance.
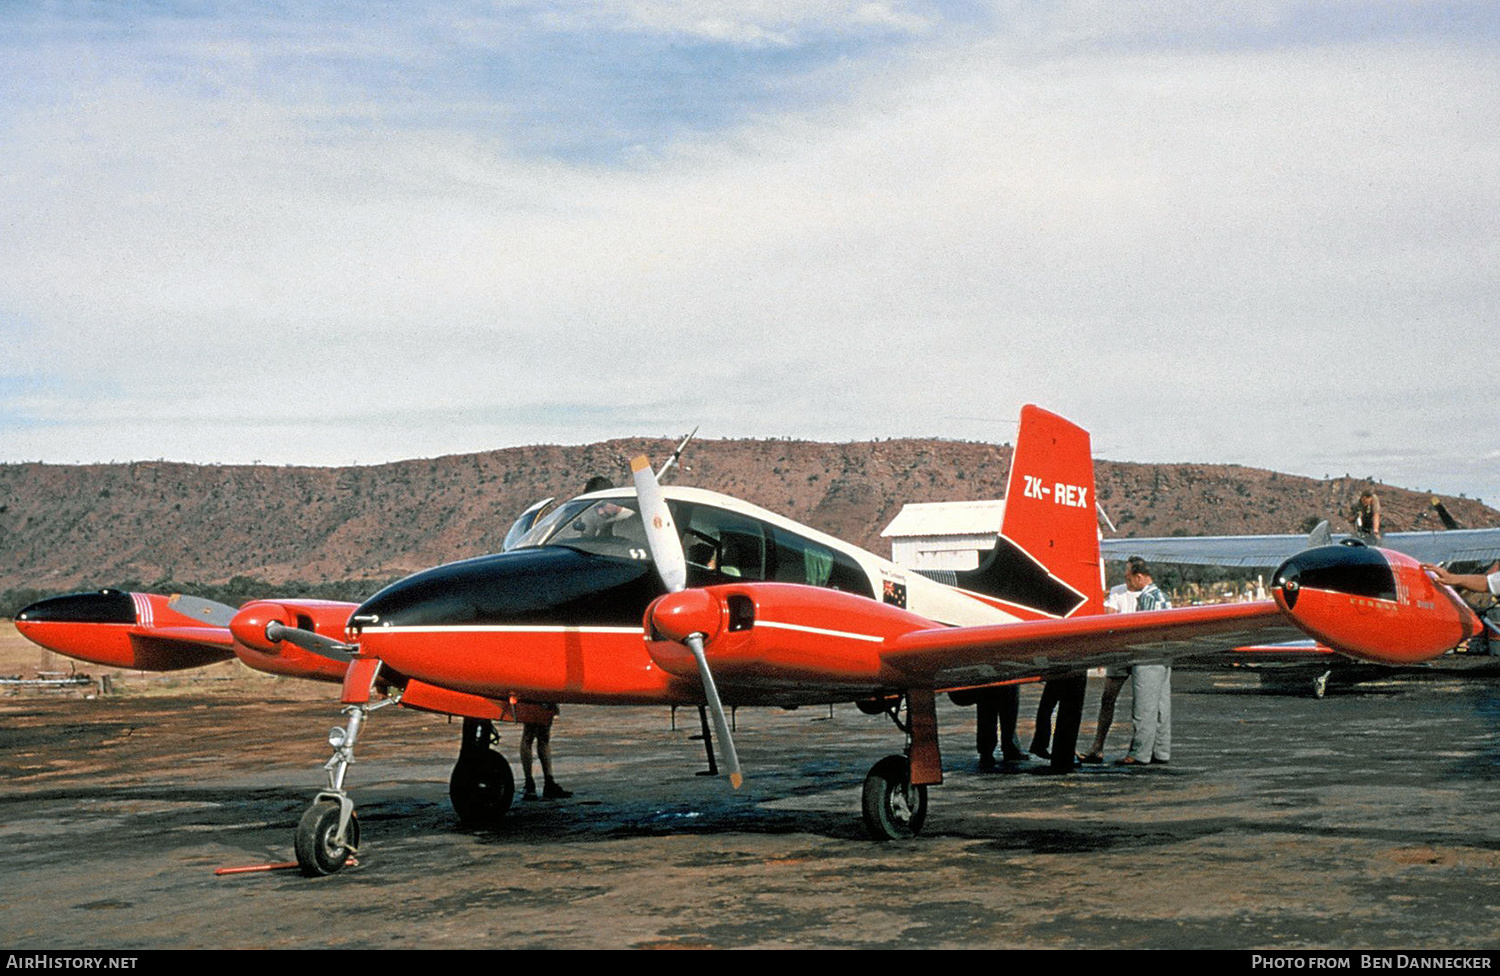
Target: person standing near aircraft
(1067, 693)
(1120, 600)
(996, 711)
(1057, 745)
(1041, 736)
(1151, 693)
(1367, 514)
(536, 729)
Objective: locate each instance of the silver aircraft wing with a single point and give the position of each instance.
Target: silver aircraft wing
(1269, 551)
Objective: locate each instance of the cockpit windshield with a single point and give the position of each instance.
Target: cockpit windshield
(609, 525)
(719, 545)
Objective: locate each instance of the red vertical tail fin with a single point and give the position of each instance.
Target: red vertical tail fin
(1050, 505)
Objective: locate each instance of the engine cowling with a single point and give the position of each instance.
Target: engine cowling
(778, 635)
(256, 649)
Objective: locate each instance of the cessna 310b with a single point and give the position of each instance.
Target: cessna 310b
(684, 596)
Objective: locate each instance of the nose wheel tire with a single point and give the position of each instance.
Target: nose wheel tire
(318, 851)
(894, 809)
(481, 788)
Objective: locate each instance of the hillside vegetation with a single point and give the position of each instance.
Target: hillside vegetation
(345, 530)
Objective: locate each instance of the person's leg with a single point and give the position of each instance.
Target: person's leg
(1041, 736)
(1162, 750)
(986, 719)
(1146, 682)
(1071, 692)
(528, 736)
(550, 788)
(1010, 708)
(1112, 687)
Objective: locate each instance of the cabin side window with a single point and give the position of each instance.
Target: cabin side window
(799, 560)
(721, 546)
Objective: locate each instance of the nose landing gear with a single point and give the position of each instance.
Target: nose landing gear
(894, 808)
(328, 832)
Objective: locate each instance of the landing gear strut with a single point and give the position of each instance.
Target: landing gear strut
(482, 785)
(329, 832)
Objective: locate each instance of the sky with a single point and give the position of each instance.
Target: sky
(1262, 233)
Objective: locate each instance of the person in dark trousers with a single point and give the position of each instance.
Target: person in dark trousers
(1058, 746)
(997, 709)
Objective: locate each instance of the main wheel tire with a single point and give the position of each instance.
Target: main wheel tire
(481, 788)
(894, 809)
(318, 853)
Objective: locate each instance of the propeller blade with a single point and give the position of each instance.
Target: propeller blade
(311, 642)
(716, 708)
(671, 565)
(661, 534)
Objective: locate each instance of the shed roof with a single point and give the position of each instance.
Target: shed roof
(946, 518)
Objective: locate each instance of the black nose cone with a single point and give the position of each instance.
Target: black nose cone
(552, 585)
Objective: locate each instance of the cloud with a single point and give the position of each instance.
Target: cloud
(1207, 234)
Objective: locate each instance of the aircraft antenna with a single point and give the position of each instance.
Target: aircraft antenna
(667, 464)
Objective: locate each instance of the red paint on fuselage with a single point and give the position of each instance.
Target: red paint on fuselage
(552, 664)
(121, 646)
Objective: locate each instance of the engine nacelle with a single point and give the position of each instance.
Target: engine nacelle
(778, 635)
(327, 617)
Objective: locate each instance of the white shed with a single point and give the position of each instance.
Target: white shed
(943, 535)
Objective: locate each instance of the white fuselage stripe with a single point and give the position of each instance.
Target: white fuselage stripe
(819, 630)
(503, 629)
(514, 629)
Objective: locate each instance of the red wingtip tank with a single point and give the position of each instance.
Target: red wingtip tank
(1372, 604)
(139, 631)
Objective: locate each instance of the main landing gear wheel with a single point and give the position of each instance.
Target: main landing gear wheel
(481, 788)
(894, 809)
(318, 851)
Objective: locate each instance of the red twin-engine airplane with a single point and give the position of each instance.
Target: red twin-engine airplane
(682, 596)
